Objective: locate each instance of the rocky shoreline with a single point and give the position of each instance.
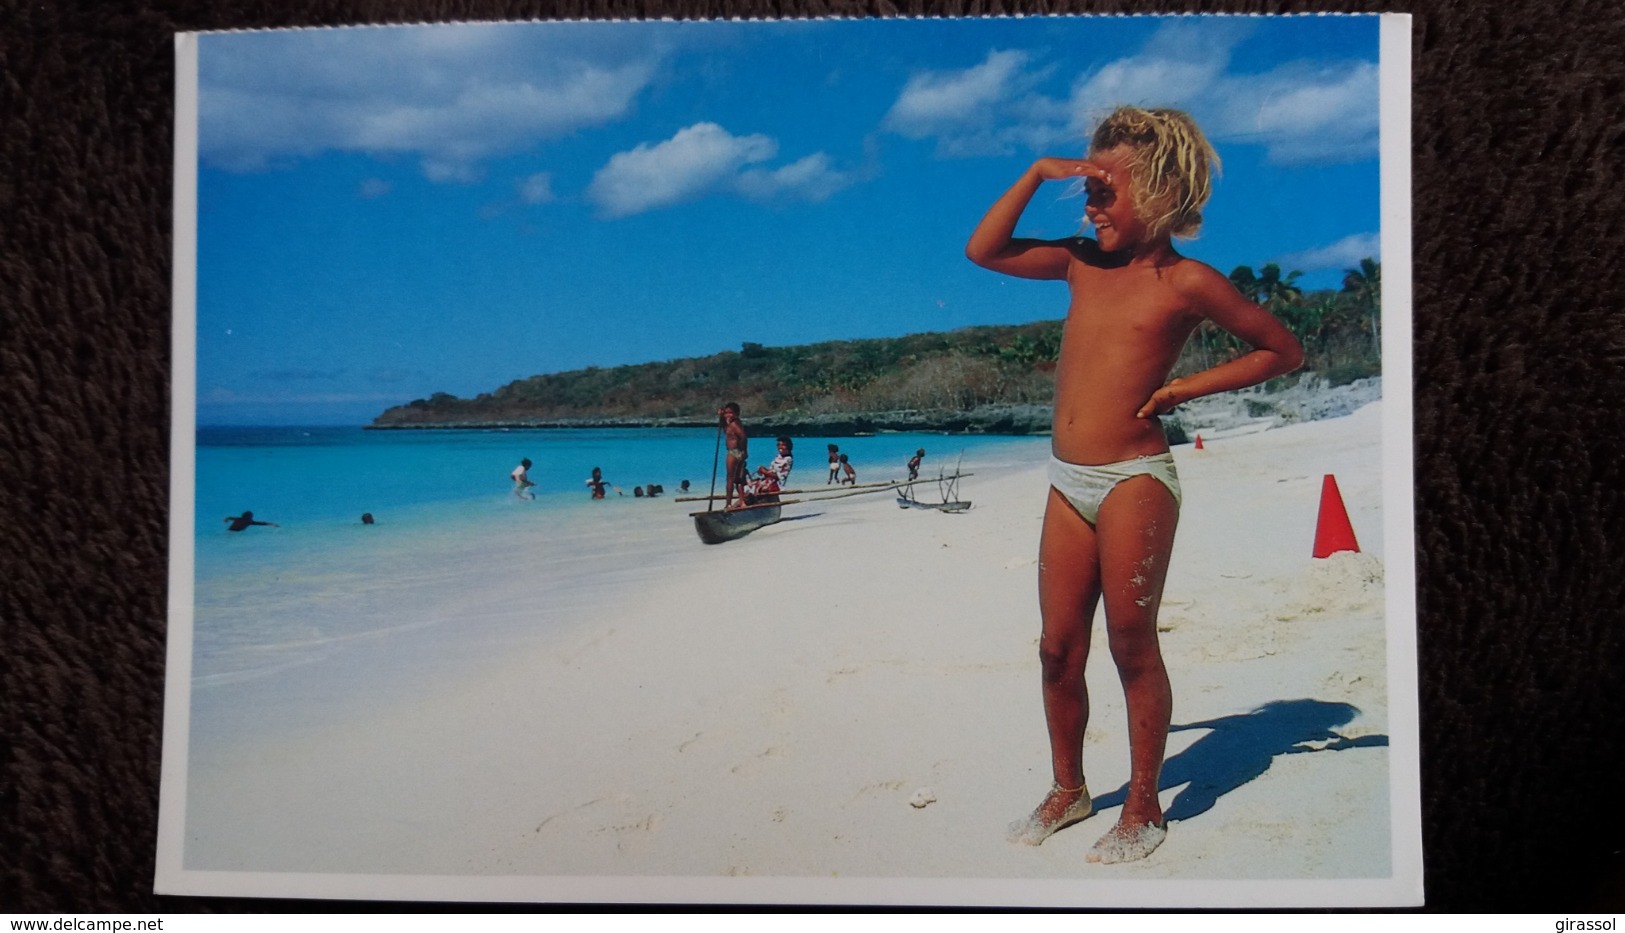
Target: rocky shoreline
(988, 419)
(1310, 400)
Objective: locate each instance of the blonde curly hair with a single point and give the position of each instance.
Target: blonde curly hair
(1172, 165)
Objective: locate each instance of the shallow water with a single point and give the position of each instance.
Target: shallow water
(323, 612)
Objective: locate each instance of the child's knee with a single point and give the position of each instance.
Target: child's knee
(1136, 653)
(1061, 658)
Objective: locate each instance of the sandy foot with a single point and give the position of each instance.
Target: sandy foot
(1128, 844)
(1060, 809)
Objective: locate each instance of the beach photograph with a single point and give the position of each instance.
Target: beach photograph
(656, 462)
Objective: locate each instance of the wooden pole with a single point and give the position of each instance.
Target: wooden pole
(715, 454)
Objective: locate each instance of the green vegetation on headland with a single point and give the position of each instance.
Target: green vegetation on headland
(990, 379)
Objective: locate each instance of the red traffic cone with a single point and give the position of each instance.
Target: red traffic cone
(1333, 532)
(1199, 445)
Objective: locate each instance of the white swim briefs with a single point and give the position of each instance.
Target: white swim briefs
(1086, 486)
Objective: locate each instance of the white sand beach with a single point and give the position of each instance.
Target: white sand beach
(851, 695)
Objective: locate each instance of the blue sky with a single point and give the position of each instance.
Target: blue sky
(384, 213)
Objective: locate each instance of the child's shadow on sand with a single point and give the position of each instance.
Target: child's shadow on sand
(1241, 747)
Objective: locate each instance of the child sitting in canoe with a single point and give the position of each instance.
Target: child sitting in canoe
(770, 480)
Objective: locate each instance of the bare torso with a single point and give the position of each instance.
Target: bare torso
(1124, 329)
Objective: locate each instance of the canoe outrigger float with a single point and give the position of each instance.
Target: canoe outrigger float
(905, 502)
(947, 487)
(909, 502)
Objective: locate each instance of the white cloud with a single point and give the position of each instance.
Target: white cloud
(934, 100)
(373, 188)
(808, 179)
(1344, 254)
(537, 189)
(1301, 112)
(1308, 114)
(704, 159)
(992, 108)
(455, 169)
(1179, 62)
(449, 96)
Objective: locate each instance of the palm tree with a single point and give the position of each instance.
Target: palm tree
(1275, 290)
(1307, 319)
(1365, 283)
(1363, 286)
(1246, 282)
(1268, 287)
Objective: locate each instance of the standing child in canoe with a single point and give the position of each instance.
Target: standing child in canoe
(733, 431)
(1114, 495)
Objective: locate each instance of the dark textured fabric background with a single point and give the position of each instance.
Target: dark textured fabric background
(1519, 355)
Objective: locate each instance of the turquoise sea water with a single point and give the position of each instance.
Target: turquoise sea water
(272, 604)
(321, 479)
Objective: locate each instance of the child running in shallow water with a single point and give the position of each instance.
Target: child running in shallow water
(1114, 495)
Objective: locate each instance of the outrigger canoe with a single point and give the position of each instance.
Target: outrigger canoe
(719, 525)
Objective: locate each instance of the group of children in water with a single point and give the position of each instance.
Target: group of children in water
(842, 472)
(840, 468)
(597, 486)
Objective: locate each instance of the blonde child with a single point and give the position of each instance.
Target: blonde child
(1114, 495)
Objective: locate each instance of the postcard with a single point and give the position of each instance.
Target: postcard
(929, 462)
